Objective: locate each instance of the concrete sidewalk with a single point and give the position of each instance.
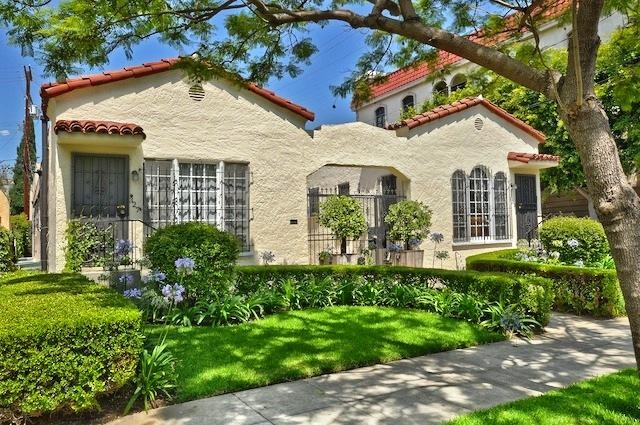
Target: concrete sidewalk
(422, 390)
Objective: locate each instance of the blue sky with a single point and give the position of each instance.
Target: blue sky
(339, 48)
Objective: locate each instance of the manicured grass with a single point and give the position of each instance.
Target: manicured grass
(610, 399)
(305, 343)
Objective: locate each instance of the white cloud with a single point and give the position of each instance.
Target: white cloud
(4, 132)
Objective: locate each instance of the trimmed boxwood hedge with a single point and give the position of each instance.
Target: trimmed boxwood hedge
(64, 340)
(578, 290)
(534, 294)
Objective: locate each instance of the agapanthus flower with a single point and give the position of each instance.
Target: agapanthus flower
(127, 279)
(185, 265)
(436, 237)
(394, 247)
(573, 243)
(123, 247)
(579, 263)
(173, 293)
(133, 293)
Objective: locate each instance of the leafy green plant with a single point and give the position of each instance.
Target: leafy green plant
(156, 375)
(213, 251)
(86, 243)
(21, 230)
(509, 320)
(7, 255)
(408, 220)
(344, 217)
(575, 239)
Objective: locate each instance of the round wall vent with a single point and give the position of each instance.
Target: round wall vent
(478, 123)
(196, 92)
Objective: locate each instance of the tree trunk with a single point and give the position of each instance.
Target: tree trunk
(615, 201)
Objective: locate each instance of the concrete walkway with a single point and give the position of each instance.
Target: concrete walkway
(422, 390)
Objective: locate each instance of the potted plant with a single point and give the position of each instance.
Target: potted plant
(344, 217)
(409, 222)
(325, 256)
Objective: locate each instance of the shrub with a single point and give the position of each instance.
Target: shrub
(575, 239)
(344, 216)
(213, 251)
(578, 290)
(379, 285)
(408, 220)
(7, 256)
(21, 230)
(64, 340)
(86, 243)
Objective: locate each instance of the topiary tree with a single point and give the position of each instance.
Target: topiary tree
(213, 252)
(344, 216)
(408, 220)
(575, 239)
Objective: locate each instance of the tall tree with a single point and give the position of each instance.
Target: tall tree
(270, 38)
(16, 193)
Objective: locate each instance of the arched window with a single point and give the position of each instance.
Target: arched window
(459, 199)
(480, 205)
(381, 117)
(479, 217)
(408, 102)
(500, 208)
(458, 82)
(441, 88)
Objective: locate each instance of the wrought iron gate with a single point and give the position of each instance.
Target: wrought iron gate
(374, 207)
(526, 206)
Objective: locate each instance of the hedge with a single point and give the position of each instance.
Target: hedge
(533, 294)
(64, 340)
(578, 290)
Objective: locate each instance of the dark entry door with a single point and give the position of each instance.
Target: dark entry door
(526, 206)
(99, 184)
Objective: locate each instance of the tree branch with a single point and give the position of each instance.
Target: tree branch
(487, 57)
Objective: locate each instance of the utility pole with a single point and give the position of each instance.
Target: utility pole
(26, 157)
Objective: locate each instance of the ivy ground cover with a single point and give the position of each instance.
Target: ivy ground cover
(299, 344)
(610, 399)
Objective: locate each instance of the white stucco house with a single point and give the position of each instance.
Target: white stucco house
(417, 83)
(143, 146)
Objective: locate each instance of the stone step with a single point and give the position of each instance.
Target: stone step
(28, 263)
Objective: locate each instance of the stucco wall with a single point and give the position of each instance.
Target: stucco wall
(233, 125)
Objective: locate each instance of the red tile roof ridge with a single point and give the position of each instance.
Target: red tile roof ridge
(460, 105)
(421, 69)
(51, 89)
(526, 157)
(98, 126)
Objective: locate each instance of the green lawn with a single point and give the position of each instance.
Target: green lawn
(305, 343)
(610, 399)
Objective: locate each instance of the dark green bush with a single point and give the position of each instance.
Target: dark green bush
(592, 245)
(578, 290)
(21, 230)
(86, 244)
(534, 295)
(7, 255)
(214, 253)
(64, 340)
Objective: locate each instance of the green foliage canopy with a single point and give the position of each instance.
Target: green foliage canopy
(344, 216)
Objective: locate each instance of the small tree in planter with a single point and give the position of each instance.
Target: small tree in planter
(409, 222)
(344, 217)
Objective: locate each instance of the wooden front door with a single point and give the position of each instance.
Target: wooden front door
(526, 206)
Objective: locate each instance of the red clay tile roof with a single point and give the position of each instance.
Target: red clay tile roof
(460, 105)
(49, 90)
(95, 126)
(402, 76)
(526, 157)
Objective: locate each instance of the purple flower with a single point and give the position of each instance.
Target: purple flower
(123, 247)
(127, 279)
(184, 265)
(436, 237)
(133, 293)
(394, 247)
(173, 292)
(573, 243)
